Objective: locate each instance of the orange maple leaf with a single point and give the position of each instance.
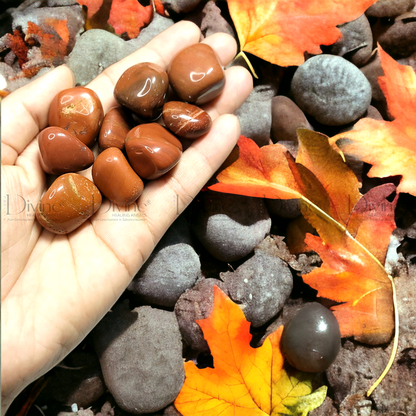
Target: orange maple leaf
(280, 31)
(390, 146)
(245, 380)
(345, 221)
(92, 6)
(129, 16)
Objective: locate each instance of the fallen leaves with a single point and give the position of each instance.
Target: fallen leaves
(389, 146)
(245, 380)
(352, 273)
(280, 31)
(125, 16)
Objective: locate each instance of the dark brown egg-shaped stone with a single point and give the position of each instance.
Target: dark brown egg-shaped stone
(68, 203)
(61, 152)
(142, 89)
(117, 123)
(196, 74)
(115, 178)
(79, 111)
(186, 120)
(152, 150)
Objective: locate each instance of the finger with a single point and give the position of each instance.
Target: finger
(225, 46)
(25, 111)
(159, 50)
(238, 85)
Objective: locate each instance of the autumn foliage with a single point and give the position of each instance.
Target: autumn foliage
(352, 272)
(245, 380)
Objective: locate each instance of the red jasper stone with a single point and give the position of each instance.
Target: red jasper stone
(68, 203)
(152, 150)
(61, 152)
(79, 111)
(115, 178)
(114, 130)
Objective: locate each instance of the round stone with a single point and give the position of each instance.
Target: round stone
(115, 178)
(331, 89)
(68, 203)
(186, 120)
(196, 74)
(61, 152)
(79, 111)
(311, 340)
(152, 150)
(142, 88)
(114, 130)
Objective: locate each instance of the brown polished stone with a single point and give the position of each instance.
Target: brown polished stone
(61, 152)
(79, 111)
(68, 203)
(186, 120)
(196, 74)
(114, 130)
(115, 178)
(152, 150)
(142, 89)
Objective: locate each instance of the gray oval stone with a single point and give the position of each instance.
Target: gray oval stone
(331, 89)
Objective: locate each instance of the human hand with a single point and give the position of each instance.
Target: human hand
(56, 288)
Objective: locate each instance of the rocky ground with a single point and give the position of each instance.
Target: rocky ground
(132, 363)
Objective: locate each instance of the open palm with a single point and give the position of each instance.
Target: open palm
(55, 288)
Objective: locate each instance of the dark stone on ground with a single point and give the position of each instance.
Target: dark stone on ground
(390, 8)
(261, 285)
(180, 6)
(140, 353)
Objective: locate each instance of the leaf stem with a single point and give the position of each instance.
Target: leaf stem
(395, 342)
(242, 54)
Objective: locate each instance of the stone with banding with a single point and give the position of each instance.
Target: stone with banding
(142, 88)
(115, 178)
(61, 152)
(152, 150)
(79, 111)
(68, 203)
(196, 74)
(186, 120)
(114, 130)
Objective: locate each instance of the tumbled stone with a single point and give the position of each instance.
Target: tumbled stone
(286, 118)
(152, 150)
(115, 178)
(331, 89)
(79, 111)
(68, 203)
(399, 40)
(390, 8)
(196, 303)
(162, 279)
(229, 226)
(186, 120)
(114, 129)
(61, 152)
(196, 75)
(140, 353)
(356, 43)
(261, 285)
(142, 88)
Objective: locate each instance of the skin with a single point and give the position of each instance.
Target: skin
(56, 288)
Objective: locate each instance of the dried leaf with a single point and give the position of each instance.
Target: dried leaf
(245, 380)
(129, 16)
(92, 6)
(389, 146)
(280, 31)
(18, 46)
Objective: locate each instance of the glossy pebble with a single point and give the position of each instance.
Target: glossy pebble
(142, 88)
(79, 111)
(114, 130)
(196, 74)
(115, 178)
(152, 150)
(61, 152)
(186, 120)
(68, 203)
(311, 340)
